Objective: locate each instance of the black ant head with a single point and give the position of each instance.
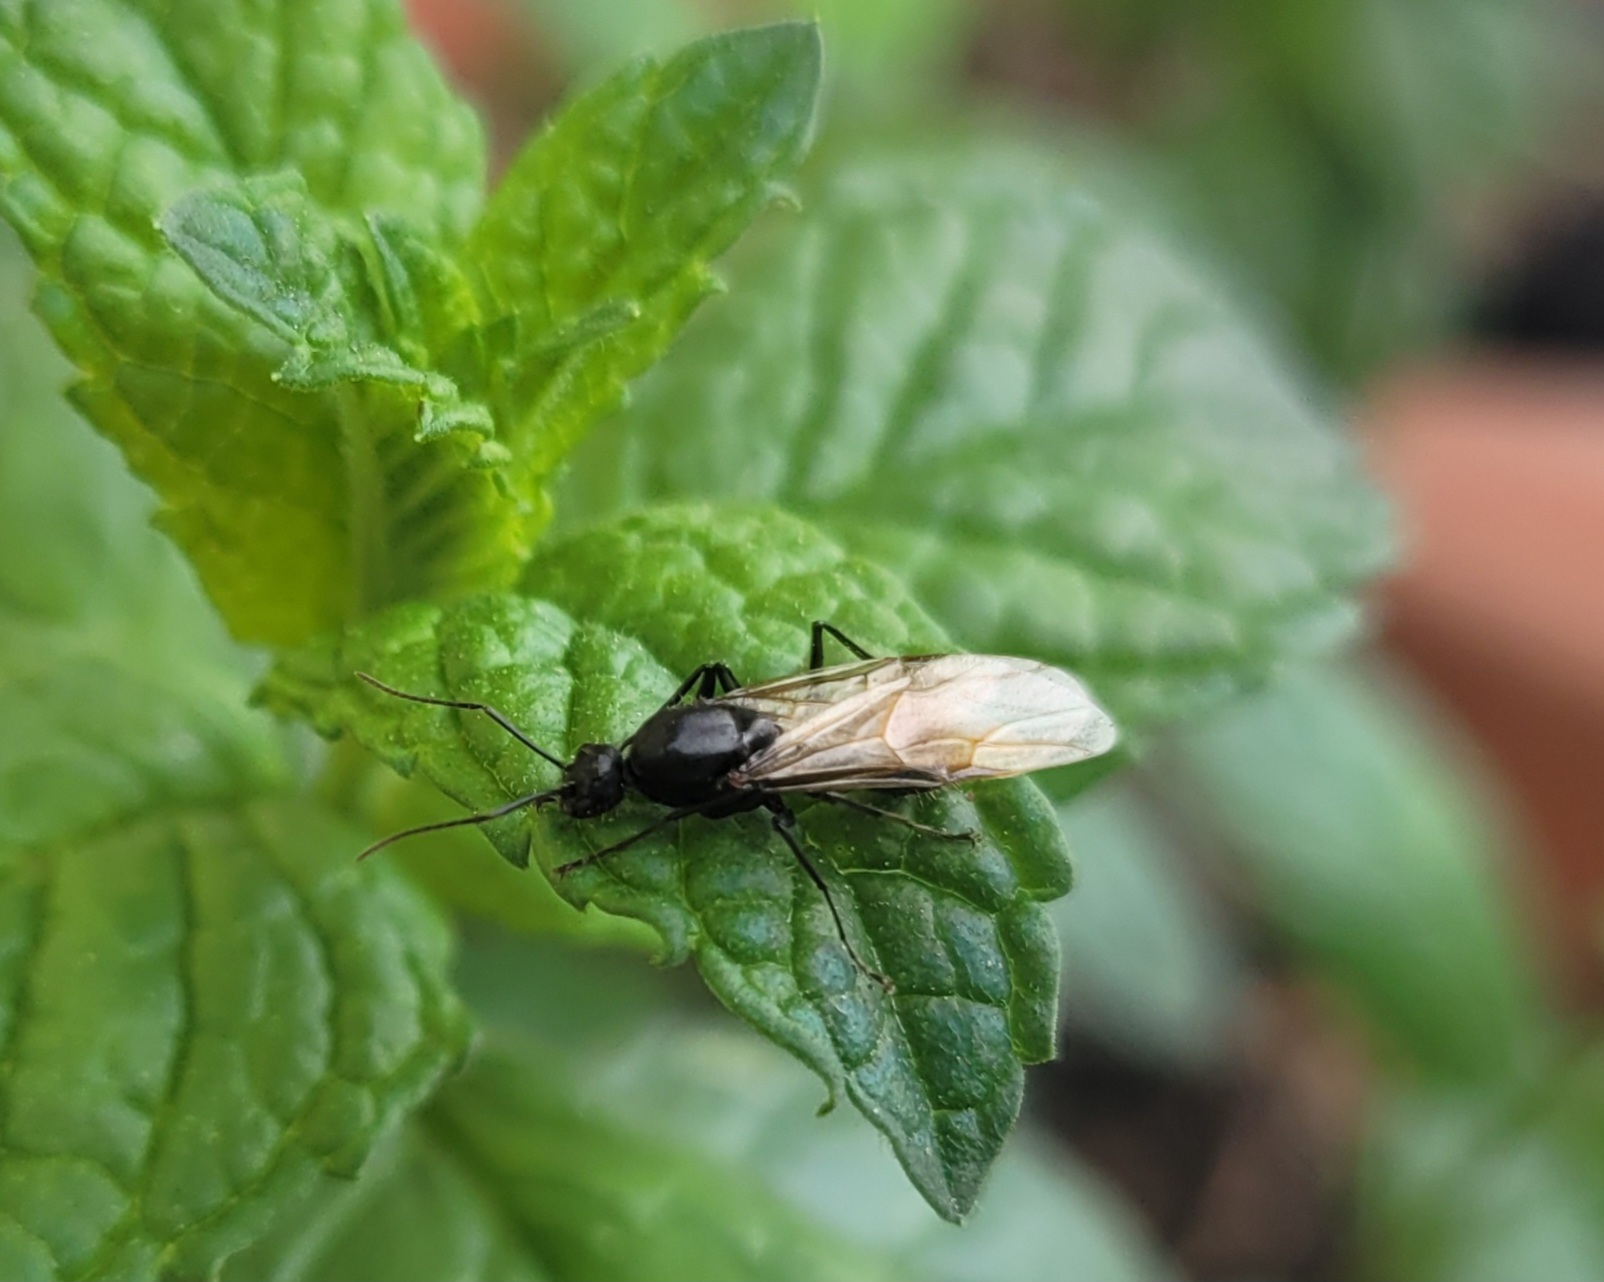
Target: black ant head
(593, 783)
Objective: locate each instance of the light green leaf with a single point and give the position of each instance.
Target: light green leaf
(1065, 445)
(265, 249)
(1373, 853)
(614, 619)
(94, 733)
(1149, 963)
(625, 200)
(203, 1008)
(298, 509)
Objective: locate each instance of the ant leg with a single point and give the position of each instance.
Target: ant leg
(717, 679)
(707, 680)
(657, 825)
(946, 834)
(816, 649)
(533, 799)
(499, 718)
(784, 821)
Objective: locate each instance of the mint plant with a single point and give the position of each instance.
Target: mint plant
(953, 403)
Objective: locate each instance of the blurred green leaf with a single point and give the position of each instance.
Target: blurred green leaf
(878, 48)
(262, 486)
(622, 612)
(1329, 149)
(1475, 1188)
(118, 689)
(1372, 852)
(423, 1210)
(564, 1162)
(1065, 445)
(623, 202)
(1149, 963)
(697, 1085)
(588, 36)
(75, 547)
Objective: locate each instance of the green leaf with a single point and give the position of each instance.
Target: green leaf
(693, 1085)
(624, 201)
(95, 734)
(696, 1146)
(117, 686)
(75, 546)
(1479, 1188)
(204, 1005)
(420, 1212)
(1149, 963)
(878, 48)
(203, 1008)
(676, 1213)
(634, 1058)
(299, 509)
(1065, 445)
(615, 618)
(263, 248)
(1368, 847)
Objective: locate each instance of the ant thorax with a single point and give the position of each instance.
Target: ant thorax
(682, 755)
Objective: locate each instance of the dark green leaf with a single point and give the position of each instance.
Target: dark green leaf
(1065, 445)
(1371, 851)
(624, 201)
(614, 618)
(299, 509)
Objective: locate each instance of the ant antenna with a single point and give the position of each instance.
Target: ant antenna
(536, 799)
(499, 718)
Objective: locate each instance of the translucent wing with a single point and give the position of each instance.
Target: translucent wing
(922, 723)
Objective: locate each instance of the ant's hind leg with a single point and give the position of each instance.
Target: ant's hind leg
(816, 648)
(784, 821)
(657, 825)
(946, 834)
